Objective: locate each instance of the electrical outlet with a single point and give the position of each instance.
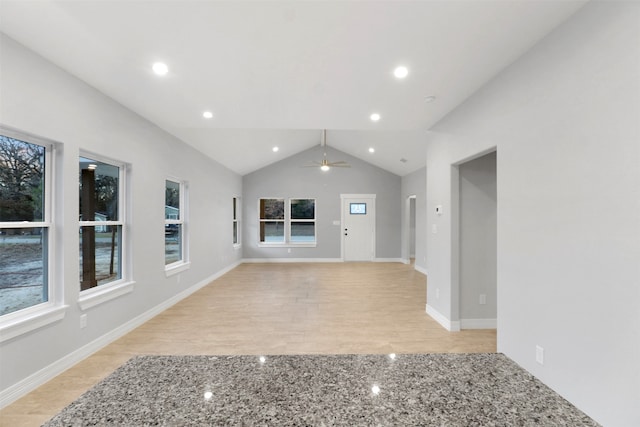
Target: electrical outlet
(289, 250)
(437, 293)
(540, 355)
(483, 299)
(434, 228)
(83, 321)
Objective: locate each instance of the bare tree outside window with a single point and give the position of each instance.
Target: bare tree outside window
(23, 228)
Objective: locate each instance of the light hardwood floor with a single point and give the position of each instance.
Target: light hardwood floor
(273, 309)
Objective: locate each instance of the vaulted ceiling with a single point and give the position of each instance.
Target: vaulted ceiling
(274, 73)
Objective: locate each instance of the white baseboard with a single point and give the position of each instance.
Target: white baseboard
(21, 388)
(440, 318)
(388, 260)
(421, 270)
(478, 323)
(275, 260)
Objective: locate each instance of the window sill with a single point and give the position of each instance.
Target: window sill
(287, 245)
(101, 294)
(29, 322)
(173, 269)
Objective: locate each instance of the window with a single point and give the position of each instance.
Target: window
(291, 223)
(302, 214)
(272, 220)
(358, 208)
(25, 223)
(236, 221)
(175, 236)
(101, 221)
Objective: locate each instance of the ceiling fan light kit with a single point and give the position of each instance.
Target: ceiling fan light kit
(325, 164)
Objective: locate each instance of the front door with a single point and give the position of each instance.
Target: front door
(358, 227)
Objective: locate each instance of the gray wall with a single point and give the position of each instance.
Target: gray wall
(416, 184)
(41, 99)
(288, 179)
(565, 119)
(478, 240)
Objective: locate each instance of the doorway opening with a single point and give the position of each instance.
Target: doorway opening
(474, 240)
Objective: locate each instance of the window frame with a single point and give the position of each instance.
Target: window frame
(292, 221)
(236, 237)
(100, 294)
(283, 220)
(287, 221)
(183, 263)
(39, 315)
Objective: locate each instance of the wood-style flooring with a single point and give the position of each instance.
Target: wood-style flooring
(308, 308)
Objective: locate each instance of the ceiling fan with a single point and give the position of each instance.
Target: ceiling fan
(325, 165)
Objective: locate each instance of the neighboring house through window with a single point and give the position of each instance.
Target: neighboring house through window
(175, 227)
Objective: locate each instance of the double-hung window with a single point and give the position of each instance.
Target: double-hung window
(236, 221)
(271, 220)
(102, 225)
(175, 227)
(25, 223)
(288, 222)
(302, 216)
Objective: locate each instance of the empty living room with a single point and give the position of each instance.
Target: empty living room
(331, 213)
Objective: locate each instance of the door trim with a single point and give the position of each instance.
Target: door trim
(343, 197)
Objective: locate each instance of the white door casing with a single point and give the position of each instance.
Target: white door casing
(358, 227)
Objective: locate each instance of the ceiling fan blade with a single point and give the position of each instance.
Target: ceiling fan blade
(339, 163)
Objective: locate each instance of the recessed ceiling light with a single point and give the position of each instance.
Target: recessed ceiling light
(275, 149)
(160, 68)
(207, 114)
(375, 389)
(372, 150)
(430, 98)
(375, 117)
(401, 72)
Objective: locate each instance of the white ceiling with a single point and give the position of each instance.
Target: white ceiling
(277, 72)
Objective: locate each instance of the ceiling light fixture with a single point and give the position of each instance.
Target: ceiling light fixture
(275, 149)
(207, 115)
(401, 72)
(375, 117)
(160, 68)
(372, 150)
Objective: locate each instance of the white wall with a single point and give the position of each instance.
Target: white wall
(477, 242)
(41, 99)
(288, 179)
(415, 184)
(565, 119)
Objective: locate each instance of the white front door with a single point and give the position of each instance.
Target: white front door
(358, 227)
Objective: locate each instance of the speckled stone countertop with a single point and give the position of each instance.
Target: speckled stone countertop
(314, 390)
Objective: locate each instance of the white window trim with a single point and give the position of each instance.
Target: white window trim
(236, 221)
(103, 293)
(291, 220)
(184, 263)
(37, 316)
(287, 225)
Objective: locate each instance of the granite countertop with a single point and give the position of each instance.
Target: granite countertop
(322, 390)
